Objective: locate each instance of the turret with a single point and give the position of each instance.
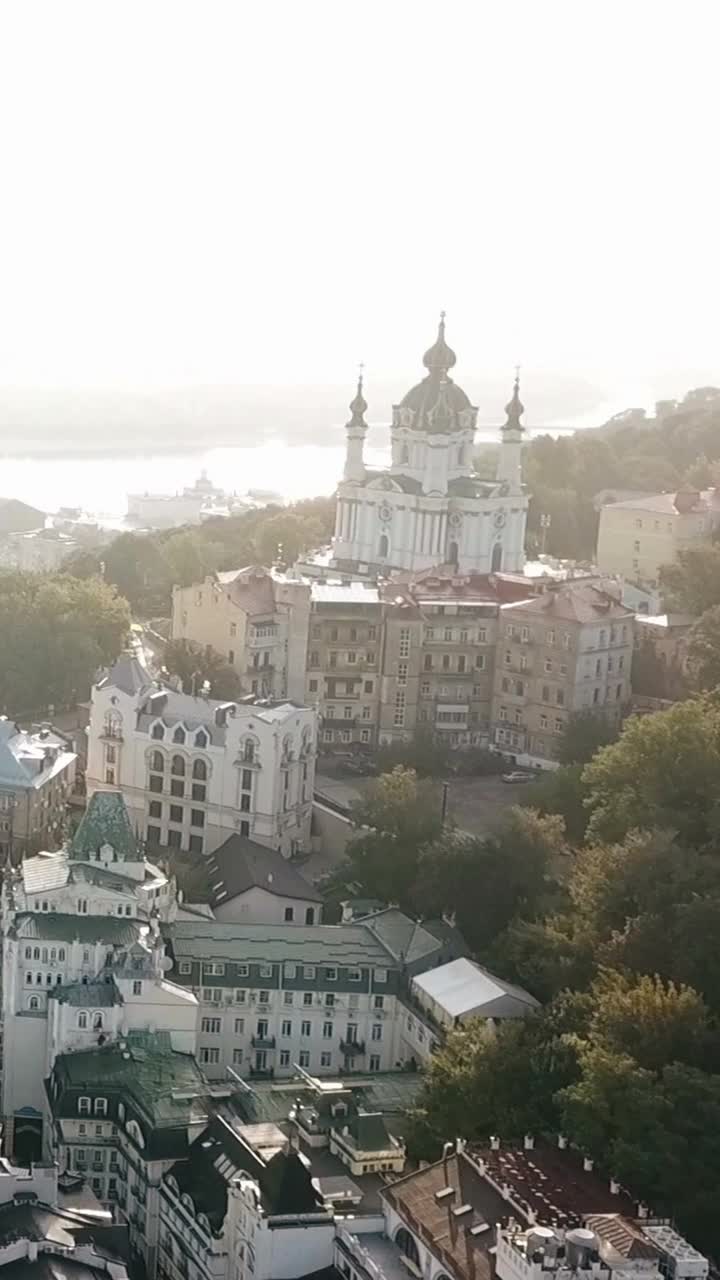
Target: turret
(509, 470)
(356, 430)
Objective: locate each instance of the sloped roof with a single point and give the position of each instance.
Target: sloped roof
(128, 675)
(241, 864)
(405, 939)
(463, 987)
(105, 821)
(575, 602)
(330, 944)
(87, 995)
(369, 1131)
(662, 504)
(58, 926)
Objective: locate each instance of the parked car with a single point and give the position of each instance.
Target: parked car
(518, 776)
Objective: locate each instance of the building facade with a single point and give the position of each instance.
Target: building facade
(194, 770)
(257, 619)
(636, 537)
(429, 507)
(567, 651)
(37, 774)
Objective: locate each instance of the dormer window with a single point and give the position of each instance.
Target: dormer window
(158, 731)
(100, 1106)
(201, 738)
(83, 1106)
(179, 734)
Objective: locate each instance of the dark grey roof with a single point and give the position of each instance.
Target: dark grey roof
(330, 944)
(128, 674)
(87, 995)
(56, 926)
(405, 939)
(241, 864)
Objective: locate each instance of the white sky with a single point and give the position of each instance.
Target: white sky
(219, 192)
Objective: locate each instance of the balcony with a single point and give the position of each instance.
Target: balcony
(352, 1048)
(262, 1042)
(261, 1073)
(255, 641)
(267, 669)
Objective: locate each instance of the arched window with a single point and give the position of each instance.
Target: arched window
(200, 770)
(34, 1002)
(36, 953)
(58, 980)
(383, 547)
(158, 731)
(49, 980)
(201, 738)
(38, 979)
(157, 762)
(178, 767)
(113, 724)
(249, 752)
(453, 554)
(28, 953)
(61, 953)
(97, 1022)
(53, 953)
(44, 955)
(179, 734)
(82, 1020)
(497, 553)
(28, 978)
(407, 1246)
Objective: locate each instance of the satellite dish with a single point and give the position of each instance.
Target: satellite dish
(166, 964)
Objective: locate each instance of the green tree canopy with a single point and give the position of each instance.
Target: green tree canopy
(395, 818)
(692, 583)
(196, 664)
(583, 735)
(704, 650)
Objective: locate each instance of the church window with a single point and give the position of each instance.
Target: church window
(383, 546)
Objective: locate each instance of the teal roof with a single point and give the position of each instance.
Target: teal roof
(105, 821)
(87, 995)
(369, 1131)
(57, 926)
(168, 1086)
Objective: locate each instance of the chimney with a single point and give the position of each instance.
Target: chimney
(642, 1210)
(528, 1142)
(588, 1164)
(562, 1141)
(494, 1143)
(614, 1187)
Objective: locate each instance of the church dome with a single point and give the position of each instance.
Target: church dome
(437, 404)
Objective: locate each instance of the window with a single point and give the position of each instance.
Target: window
(266, 971)
(176, 813)
(327, 1030)
(100, 1106)
(365, 735)
(461, 663)
(201, 739)
(84, 1106)
(550, 637)
(179, 735)
(195, 844)
(377, 1031)
(284, 1057)
(314, 659)
(82, 906)
(209, 1057)
(214, 969)
(347, 713)
(558, 726)
(305, 1028)
(312, 686)
(263, 997)
(331, 973)
(543, 722)
(286, 1028)
(329, 999)
(249, 752)
(618, 692)
(211, 995)
(304, 1058)
(309, 971)
(82, 1020)
(596, 696)
(211, 1026)
(237, 1057)
(246, 780)
(244, 828)
(325, 1059)
(446, 662)
(378, 1002)
(560, 697)
(369, 686)
(402, 672)
(381, 975)
(307, 998)
(404, 643)
(399, 711)
(240, 995)
(156, 783)
(354, 975)
(158, 732)
(289, 915)
(239, 1026)
(34, 1002)
(245, 802)
(480, 661)
(155, 809)
(288, 997)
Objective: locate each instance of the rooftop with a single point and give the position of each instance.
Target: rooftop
(661, 503)
(405, 939)
(463, 987)
(28, 760)
(331, 944)
(240, 864)
(578, 602)
(361, 593)
(551, 1182)
(58, 926)
(105, 822)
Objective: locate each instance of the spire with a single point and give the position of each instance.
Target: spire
(515, 407)
(358, 405)
(439, 357)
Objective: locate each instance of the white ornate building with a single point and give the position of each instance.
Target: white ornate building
(429, 507)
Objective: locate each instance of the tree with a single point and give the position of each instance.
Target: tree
(486, 882)
(664, 771)
(562, 792)
(56, 632)
(395, 818)
(692, 583)
(195, 665)
(583, 735)
(704, 649)
(651, 1019)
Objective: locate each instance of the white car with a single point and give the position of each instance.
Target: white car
(518, 776)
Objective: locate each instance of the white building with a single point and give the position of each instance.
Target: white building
(429, 507)
(194, 770)
(83, 961)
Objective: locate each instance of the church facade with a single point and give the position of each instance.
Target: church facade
(429, 507)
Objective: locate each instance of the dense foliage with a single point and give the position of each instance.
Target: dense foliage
(631, 452)
(145, 566)
(56, 631)
(196, 666)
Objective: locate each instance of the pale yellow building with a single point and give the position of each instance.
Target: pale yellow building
(566, 651)
(636, 537)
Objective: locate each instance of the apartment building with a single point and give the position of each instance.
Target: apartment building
(325, 997)
(636, 537)
(37, 774)
(566, 651)
(344, 661)
(257, 619)
(194, 770)
(82, 959)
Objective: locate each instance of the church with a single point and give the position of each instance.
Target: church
(429, 507)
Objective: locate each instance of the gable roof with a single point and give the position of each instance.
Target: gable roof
(463, 987)
(128, 675)
(105, 821)
(405, 939)
(241, 864)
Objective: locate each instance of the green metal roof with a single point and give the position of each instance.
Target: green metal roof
(105, 821)
(87, 995)
(148, 1070)
(56, 926)
(323, 944)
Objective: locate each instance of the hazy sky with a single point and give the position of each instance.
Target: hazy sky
(218, 192)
